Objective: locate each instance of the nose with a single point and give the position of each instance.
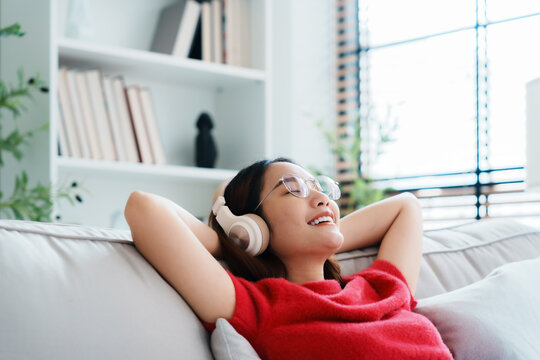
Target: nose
(318, 198)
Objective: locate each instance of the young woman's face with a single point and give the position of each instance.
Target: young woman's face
(290, 218)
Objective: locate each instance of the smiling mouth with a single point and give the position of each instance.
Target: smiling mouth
(322, 220)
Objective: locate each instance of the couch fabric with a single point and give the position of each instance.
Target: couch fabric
(70, 291)
(460, 255)
(496, 318)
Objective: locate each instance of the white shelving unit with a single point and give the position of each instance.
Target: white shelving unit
(238, 100)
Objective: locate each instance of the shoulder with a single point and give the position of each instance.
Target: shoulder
(255, 301)
(387, 281)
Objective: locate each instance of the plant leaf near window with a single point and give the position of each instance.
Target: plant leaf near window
(361, 190)
(25, 202)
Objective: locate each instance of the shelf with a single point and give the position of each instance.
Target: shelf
(116, 168)
(156, 66)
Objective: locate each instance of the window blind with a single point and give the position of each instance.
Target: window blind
(486, 181)
(347, 90)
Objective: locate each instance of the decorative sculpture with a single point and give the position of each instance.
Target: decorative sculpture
(205, 147)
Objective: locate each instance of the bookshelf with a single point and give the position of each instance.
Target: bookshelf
(237, 99)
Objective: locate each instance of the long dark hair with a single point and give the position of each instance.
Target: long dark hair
(242, 196)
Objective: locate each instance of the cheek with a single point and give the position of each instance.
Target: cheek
(284, 225)
(284, 221)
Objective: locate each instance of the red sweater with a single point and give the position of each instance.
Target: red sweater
(370, 318)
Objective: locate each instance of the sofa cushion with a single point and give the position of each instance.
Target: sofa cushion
(456, 256)
(495, 318)
(228, 344)
(70, 292)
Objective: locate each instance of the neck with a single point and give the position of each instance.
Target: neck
(304, 271)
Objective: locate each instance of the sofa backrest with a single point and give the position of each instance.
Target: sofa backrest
(75, 292)
(69, 291)
(456, 256)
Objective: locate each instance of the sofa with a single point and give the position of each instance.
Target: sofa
(79, 292)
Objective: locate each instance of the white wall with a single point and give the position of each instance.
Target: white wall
(303, 83)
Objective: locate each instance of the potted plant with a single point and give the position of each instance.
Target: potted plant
(25, 201)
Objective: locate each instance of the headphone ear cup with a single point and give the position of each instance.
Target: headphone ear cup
(251, 233)
(263, 231)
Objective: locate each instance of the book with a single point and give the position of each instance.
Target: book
(236, 32)
(195, 52)
(176, 28)
(128, 133)
(217, 32)
(88, 116)
(95, 89)
(137, 117)
(63, 146)
(151, 126)
(67, 112)
(207, 33)
(114, 118)
(243, 38)
(77, 114)
(228, 33)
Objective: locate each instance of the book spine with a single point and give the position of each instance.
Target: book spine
(243, 40)
(143, 144)
(100, 114)
(112, 112)
(186, 31)
(88, 116)
(77, 114)
(128, 133)
(206, 19)
(68, 114)
(151, 126)
(62, 135)
(217, 37)
(229, 32)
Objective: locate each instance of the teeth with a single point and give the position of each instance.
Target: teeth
(321, 219)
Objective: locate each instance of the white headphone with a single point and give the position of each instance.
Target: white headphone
(249, 231)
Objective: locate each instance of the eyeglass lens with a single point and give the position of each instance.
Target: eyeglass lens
(300, 187)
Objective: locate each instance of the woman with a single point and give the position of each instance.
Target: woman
(290, 302)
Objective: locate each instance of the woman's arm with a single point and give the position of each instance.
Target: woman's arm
(180, 247)
(396, 223)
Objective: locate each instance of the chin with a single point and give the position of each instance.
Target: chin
(334, 241)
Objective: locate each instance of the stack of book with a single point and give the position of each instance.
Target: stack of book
(210, 30)
(101, 118)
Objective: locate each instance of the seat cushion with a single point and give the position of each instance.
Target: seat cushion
(71, 292)
(496, 318)
(456, 256)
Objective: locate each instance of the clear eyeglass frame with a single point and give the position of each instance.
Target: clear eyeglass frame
(301, 187)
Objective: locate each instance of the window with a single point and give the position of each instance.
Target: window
(450, 75)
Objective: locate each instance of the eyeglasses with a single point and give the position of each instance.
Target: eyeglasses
(300, 187)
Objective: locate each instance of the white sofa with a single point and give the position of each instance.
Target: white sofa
(76, 292)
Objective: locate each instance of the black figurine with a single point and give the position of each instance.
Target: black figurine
(205, 147)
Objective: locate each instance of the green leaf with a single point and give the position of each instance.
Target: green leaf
(13, 142)
(12, 30)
